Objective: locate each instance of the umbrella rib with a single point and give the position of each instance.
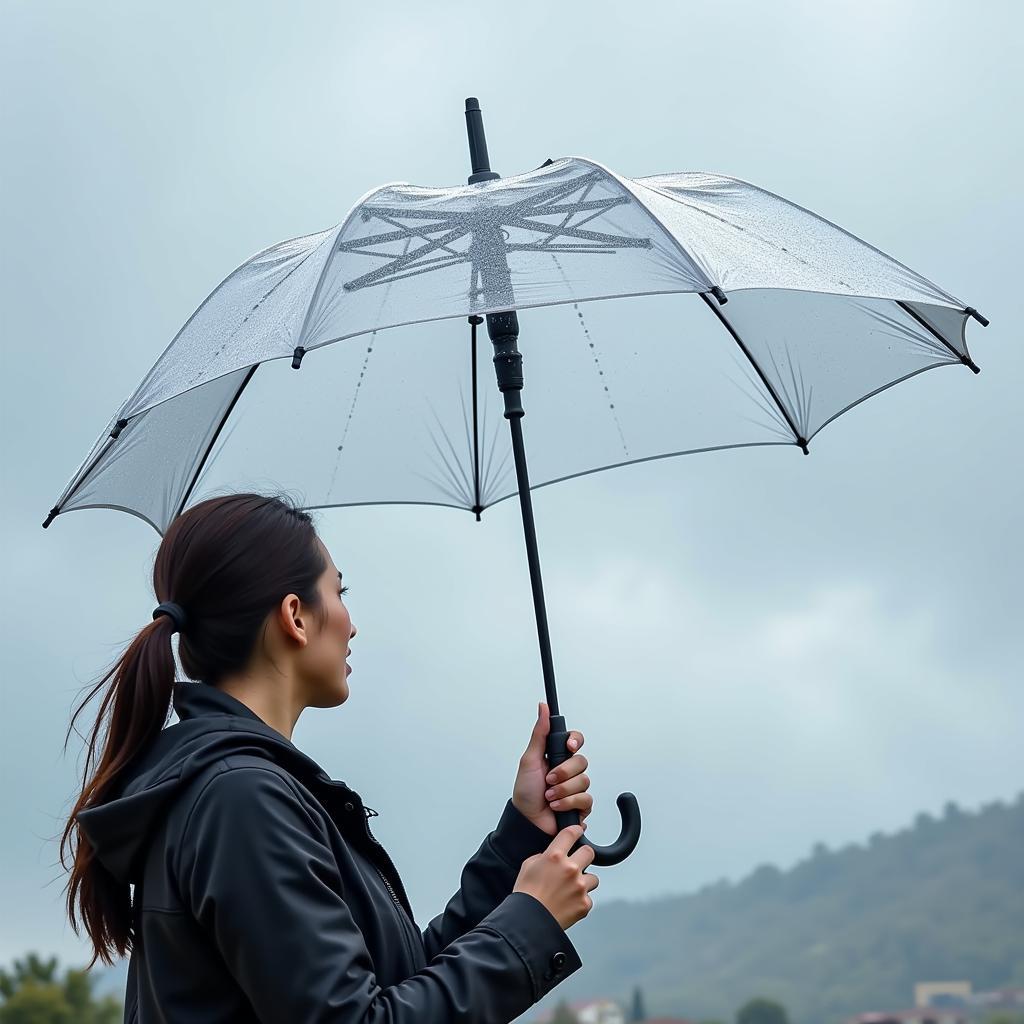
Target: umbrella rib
(961, 356)
(213, 440)
(907, 332)
(80, 476)
(764, 380)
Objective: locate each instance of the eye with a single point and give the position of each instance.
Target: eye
(344, 590)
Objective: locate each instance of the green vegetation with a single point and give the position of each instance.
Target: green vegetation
(762, 1011)
(841, 933)
(33, 994)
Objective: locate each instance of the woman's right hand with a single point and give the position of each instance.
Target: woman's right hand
(556, 878)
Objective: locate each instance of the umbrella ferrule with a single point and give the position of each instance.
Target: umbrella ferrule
(477, 143)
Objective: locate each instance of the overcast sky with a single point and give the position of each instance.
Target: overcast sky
(768, 649)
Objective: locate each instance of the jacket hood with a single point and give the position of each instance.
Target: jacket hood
(212, 725)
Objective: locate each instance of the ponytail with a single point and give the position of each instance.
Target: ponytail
(137, 705)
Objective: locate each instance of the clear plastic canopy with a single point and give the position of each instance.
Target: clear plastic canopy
(729, 317)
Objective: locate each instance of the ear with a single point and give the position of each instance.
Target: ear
(293, 623)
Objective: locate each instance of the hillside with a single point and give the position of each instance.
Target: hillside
(840, 933)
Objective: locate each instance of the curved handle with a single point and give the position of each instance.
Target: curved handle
(629, 809)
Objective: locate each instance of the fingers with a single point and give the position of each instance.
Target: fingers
(582, 802)
(577, 784)
(562, 843)
(567, 769)
(584, 856)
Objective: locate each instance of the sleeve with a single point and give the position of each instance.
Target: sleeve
(257, 871)
(487, 878)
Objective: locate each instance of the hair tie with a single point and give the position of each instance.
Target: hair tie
(175, 611)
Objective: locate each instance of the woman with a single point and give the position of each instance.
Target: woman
(257, 890)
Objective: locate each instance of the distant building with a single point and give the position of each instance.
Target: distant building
(666, 1020)
(947, 1002)
(998, 999)
(942, 993)
(591, 1011)
(917, 1015)
(605, 1011)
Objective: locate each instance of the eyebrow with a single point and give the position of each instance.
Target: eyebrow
(339, 575)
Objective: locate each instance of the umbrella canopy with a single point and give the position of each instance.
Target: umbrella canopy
(390, 408)
(728, 317)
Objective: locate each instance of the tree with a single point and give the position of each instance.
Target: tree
(762, 1011)
(639, 1012)
(32, 994)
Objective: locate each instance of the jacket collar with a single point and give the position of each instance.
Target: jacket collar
(196, 704)
(193, 700)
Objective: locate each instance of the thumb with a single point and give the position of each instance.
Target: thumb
(540, 730)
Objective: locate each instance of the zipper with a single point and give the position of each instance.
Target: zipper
(398, 902)
(387, 859)
(370, 812)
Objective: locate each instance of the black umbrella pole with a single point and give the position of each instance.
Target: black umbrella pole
(503, 329)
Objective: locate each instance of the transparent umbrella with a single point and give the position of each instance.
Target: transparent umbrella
(728, 317)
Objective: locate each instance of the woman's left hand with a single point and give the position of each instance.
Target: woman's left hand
(568, 784)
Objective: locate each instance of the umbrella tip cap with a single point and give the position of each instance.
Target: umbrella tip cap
(472, 103)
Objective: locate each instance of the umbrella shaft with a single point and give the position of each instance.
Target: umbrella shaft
(503, 329)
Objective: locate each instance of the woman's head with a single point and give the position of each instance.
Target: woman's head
(261, 596)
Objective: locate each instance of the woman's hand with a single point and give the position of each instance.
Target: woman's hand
(568, 784)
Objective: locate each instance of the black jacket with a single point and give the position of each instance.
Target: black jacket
(260, 893)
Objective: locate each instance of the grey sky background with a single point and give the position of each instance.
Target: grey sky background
(768, 649)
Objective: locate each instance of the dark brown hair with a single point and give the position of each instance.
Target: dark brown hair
(228, 561)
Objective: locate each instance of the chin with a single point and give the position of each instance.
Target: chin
(333, 696)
